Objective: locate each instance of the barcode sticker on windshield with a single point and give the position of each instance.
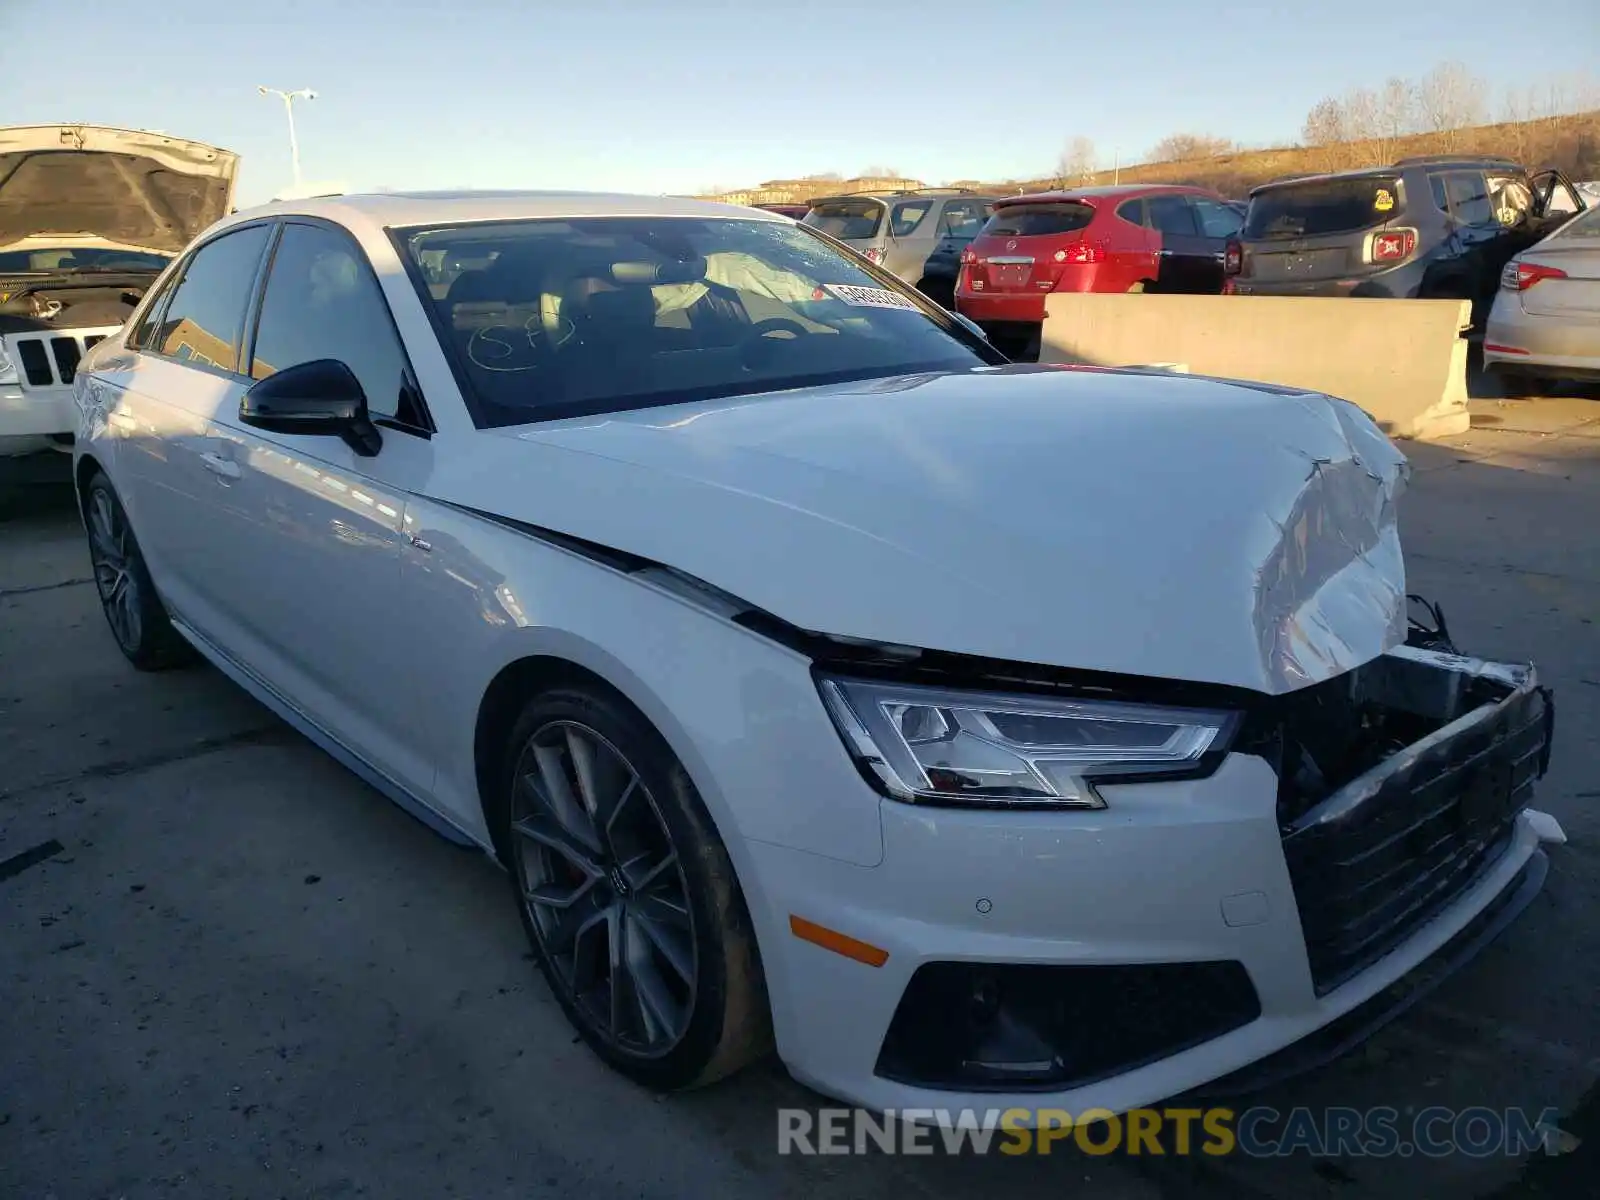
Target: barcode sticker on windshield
(867, 297)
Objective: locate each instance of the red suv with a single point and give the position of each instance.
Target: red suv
(1134, 238)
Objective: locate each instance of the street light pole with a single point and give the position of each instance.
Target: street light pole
(288, 99)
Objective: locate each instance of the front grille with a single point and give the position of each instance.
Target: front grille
(51, 359)
(1374, 862)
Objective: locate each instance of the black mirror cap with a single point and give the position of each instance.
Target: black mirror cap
(321, 397)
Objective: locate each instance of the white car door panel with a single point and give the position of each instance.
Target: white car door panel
(319, 536)
(314, 530)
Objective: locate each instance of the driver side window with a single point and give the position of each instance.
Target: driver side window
(323, 301)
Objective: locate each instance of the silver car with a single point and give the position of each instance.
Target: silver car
(918, 235)
(1545, 323)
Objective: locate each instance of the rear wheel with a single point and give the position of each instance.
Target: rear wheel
(627, 893)
(138, 620)
(1522, 383)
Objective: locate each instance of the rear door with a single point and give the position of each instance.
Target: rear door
(185, 371)
(1185, 255)
(1479, 241)
(913, 226)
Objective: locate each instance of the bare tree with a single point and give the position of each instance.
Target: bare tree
(1327, 129)
(1397, 108)
(1363, 114)
(876, 172)
(1186, 147)
(1076, 164)
(1451, 98)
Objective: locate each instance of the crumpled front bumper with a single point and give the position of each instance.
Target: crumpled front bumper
(1194, 874)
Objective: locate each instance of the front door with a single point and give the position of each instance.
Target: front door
(321, 529)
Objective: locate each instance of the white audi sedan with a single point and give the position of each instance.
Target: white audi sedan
(969, 732)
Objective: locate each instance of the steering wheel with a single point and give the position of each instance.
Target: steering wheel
(758, 340)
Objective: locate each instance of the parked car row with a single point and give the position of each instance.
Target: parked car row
(994, 258)
(1441, 227)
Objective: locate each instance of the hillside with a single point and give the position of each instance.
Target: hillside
(1570, 142)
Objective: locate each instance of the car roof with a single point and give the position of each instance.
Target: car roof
(402, 209)
(1427, 160)
(911, 194)
(1106, 191)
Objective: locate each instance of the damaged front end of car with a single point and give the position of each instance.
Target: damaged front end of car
(1398, 785)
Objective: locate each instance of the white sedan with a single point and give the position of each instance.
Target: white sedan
(971, 732)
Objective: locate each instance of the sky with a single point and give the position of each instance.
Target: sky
(684, 95)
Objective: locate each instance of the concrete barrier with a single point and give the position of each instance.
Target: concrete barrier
(1403, 361)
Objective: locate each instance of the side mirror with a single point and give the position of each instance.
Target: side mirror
(969, 325)
(322, 397)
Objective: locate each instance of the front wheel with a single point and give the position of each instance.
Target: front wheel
(134, 611)
(627, 893)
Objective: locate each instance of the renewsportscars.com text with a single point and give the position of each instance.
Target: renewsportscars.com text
(1259, 1132)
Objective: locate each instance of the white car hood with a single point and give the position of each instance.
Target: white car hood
(139, 190)
(1165, 526)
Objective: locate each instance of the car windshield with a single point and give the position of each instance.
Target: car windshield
(847, 220)
(79, 258)
(1038, 220)
(555, 318)
(1323, 206)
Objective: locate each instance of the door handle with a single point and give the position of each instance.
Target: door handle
(226, 468)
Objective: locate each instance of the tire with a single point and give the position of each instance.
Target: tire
(1523, 384)
(604, 869)
(133, 609)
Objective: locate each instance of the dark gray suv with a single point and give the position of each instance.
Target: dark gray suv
(1440, 227)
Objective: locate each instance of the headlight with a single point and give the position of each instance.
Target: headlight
(929, 745)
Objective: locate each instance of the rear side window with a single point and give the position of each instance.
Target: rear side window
(1039, 220)
(848, 220)
(1465, 196)
(322, 301)
(140, 336)
(905, 218)
(1132, 211)
(206, 317)
(1172, 214)
(1323, 206)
